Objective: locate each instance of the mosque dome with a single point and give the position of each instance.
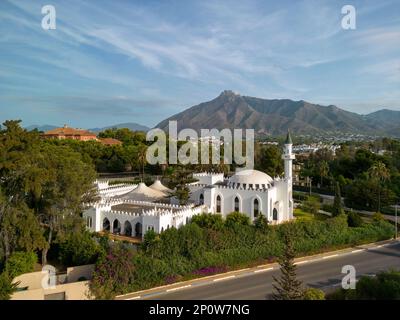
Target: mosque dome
(250, 179)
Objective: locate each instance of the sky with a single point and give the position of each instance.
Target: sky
(109, 62)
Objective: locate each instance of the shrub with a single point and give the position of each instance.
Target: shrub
(236, 218)
(113, 273)
(261, 223)
(6, 286)
(311, 205)
(385, 286)
(209, 221)
(377, 216)
(79, 248)
(19, 263)
(313, 294)
(354, 220)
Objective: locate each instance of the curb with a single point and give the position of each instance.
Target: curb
(250, 271)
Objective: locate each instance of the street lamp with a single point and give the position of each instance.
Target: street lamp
(395, 220)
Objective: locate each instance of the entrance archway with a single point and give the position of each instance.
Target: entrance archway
(116, 226)
(138, 230)
(127, 229)
(106, 225)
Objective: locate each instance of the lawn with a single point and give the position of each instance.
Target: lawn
(302, 215)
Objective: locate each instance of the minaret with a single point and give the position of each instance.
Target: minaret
(288, 157)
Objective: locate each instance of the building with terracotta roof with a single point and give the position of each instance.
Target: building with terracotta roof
(70, 133)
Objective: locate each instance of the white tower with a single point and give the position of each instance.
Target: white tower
(288, 158)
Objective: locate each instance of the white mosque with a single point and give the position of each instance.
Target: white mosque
(132, 210)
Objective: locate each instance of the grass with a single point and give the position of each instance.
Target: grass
(302, 215)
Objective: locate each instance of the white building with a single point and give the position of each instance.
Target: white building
(132, 210)
(248, 191)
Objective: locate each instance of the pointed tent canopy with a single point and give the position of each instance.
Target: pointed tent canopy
(288, 138)
(144, 193)
(157, 185)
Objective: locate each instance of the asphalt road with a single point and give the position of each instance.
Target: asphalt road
(324, 274)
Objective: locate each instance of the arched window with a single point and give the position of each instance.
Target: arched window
(256, 208)
(237, 204)
(218, 204)
(275, 214)
(201, 199)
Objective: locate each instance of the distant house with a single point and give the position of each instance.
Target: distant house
(78, 134)
(70, 133)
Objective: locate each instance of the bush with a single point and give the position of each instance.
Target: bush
(261, 223)
(6, 286)
(311, 205)
(313, 294)
(209, 221)
(80, 248)
(237, 218)
(377, 216)
(19, 263)
(354, 220)
(113, 274)
(385, 286)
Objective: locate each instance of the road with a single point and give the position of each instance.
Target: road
(324, 274)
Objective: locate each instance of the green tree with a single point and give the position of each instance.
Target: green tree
(287, 287)
(150, 243)
(337, 202)
(7, 288)
(79, 248)
(379, 173)
(311, 205)
(20, 262)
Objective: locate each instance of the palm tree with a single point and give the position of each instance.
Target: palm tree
(323, 170)
(379, 173)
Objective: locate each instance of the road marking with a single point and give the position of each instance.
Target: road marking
(134, 298)
(301, 262)
(263, 270)
(331, 256)
(224, 278)
(358, 250)
(178, 288)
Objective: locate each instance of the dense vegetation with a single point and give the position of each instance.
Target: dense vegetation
(210, 244)
(384, 286)
(368, 180)
(43, 187)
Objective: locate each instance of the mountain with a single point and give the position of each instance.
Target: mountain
(130, 125)
(276, 116)
(43, 128)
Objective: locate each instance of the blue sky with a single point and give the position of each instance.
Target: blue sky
(142, 61)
